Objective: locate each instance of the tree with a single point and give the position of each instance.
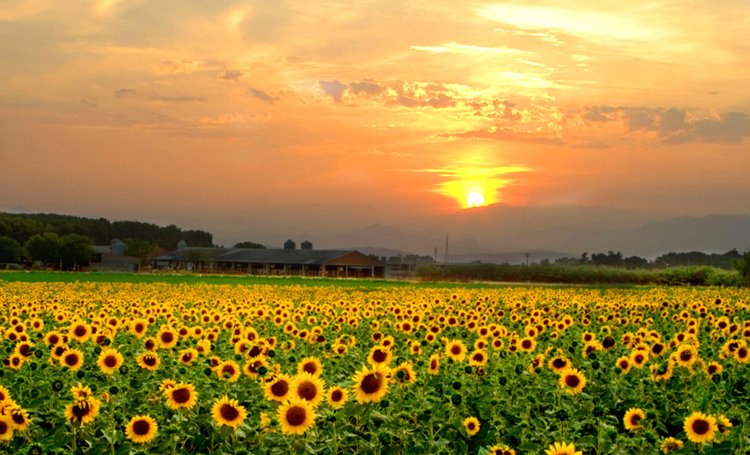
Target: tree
(44, 247)
(249, 245)
(10, 249)
(75, 250)
(743, 266)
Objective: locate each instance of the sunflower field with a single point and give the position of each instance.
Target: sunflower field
(121, 368)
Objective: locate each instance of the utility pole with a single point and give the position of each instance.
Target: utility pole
(527, 257)
(446, 248)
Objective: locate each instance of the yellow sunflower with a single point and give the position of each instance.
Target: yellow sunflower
(670, 444)
(181, 396)
(433, 366)
(337, 397)
(141, 429)
(308, 387)
(700, 427)
(632, 419)
(278, 389)
(228, 412)
(149, 360)
(478, 358)
(228, 370)
(379, 355)
(296, 416)
(456, 350)
(501, 450)
(72, 359)
(561, 448)
(572, 381)
(371, 385)
(471, 425)
(6, 428)
(109, 361)
(310, 365)
(84, 411)
(404, 374)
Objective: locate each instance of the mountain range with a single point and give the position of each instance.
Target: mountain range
(509, 233)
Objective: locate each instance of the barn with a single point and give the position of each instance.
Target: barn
(287, 261)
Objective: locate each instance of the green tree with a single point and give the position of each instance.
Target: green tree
(75, 250)
(10, 249)
(249, 244)
(44, 247)
(743, 266)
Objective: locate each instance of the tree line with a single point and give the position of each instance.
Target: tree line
(66, 241)
(726, 260)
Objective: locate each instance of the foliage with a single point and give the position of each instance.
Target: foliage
(44, 247)
(21, 227)
(516, 399)
(742, 265)
(581, 274)
(249, 244)
(10, 249)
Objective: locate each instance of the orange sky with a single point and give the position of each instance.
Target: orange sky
(336, 114)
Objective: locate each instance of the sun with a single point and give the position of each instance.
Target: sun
(474, 199)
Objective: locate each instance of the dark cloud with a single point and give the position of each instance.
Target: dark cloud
(366, 88)
(125, 92)
(263, 96)
(230, 75)
(334, 89)
(674, 125)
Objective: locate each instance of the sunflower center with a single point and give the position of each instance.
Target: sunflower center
(139, 328)
(635, 419)
(455, 349)
(150, 361)
(471, 426)
(79, 331)
(337, 395)
(379, 356)
(280, 388)
(686, 356)
(295, 415)
(18, 419)
(526, 344)
(229, 412)
(310, 368)
(141, 427)
(81, 410)
(254, 351)
(307, 390)
(371, 383)
(71, 359)
(558, 363)
(167, 337)
(181, 395)
(3, 427)
(572, 381)
(110, 361)
(700, 426)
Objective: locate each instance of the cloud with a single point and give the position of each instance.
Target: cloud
(263, 96)
(366, 87)
(675, 126)
(89, 104)
(510, 135)
(230, 75)
(125, 92)
(334, 89)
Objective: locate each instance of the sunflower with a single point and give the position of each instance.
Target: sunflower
(109, 361)
(16, 361)
(559, 364)
(572, 380)
(670, 444)
(310, 365)
(296, 416)
(181, 396)
(685, 355)
(379, 355)
(228, 370)
(526, 344)
(713, 367)
(561, 448)
(80, 331)
(167, 338)
(700, 427)
(4, 394)
(278, 389)
(433, 366)
(371, 385)
(742, 354)
(252, 366)
(624, 364)
(632, 419)
(149, 360)
(73, 359)
(478, 358)
(141, 429)
(404, 374)
(138, 327)
(308, 387)
(6, 428)
(228, 412)
(471, 425)
(723, 424)
(188, 356)
(20, 417)
(455, 350)
(84, 411)
(337, 397)
(501, 450)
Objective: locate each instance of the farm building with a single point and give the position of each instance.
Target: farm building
(278, 261)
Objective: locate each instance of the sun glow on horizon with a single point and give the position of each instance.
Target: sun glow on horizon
(475, 199)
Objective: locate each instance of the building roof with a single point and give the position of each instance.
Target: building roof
(271, 256)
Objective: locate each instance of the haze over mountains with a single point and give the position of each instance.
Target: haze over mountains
(503, 233)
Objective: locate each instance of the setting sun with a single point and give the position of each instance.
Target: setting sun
(474, 199)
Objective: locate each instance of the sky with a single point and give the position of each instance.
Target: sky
(245, 117)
